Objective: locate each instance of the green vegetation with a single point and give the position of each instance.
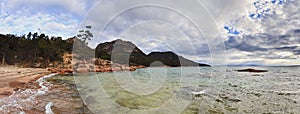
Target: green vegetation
(34, 50)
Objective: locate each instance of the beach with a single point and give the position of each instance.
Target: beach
(13, 78)
(36, 91)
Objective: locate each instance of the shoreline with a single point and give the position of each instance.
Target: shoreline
(35, 92)
(61, 91)
(14, 78)
(69, 88)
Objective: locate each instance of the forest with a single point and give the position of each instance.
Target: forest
(33, 48)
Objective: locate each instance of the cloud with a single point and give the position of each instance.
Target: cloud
(178, 26)
(52, 17)
(258, 32)
(18, 23)
(255, 35)
(270, 32)
(268, 16)
(76, 6)
(269, 48)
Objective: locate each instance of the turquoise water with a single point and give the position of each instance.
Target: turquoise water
(161, 90)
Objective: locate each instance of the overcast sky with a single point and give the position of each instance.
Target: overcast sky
(261, 32)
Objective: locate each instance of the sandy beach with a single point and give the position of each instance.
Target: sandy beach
(13, 78)
(36, 91)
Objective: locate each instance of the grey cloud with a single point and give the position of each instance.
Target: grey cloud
(296, 51)
(286, 48)
(243, 44)
(278, 33)
(265, 42)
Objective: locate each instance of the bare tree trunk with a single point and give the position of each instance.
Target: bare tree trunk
(3, 59)
(48, 62)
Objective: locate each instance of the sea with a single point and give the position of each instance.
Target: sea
(187, 90)
(192, 90)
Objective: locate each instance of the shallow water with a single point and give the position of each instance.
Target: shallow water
(52, 95)
(160, 90)
(164, 90)
(24, 99)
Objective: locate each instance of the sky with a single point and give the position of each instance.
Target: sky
(234, 32)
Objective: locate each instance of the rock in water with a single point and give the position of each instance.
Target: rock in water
(251, 70)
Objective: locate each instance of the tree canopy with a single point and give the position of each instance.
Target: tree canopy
(32, 49)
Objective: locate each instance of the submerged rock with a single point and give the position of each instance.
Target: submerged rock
(234, 100)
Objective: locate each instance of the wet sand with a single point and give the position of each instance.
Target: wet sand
(36, 91)
(13, 78)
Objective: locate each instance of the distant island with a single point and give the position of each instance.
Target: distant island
(41, 51)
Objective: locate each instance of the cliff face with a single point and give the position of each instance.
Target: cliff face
(125, 52)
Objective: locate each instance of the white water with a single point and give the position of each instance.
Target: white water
(24, 100)
(48, 108)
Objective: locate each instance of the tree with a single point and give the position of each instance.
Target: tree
(29, 35)
(4, 49)
(7, 46)
(28, 51)
(35, 35)
(42, 36)
(80, 48)
(85, 35)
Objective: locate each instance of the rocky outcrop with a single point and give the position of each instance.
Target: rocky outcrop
(97, 65)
